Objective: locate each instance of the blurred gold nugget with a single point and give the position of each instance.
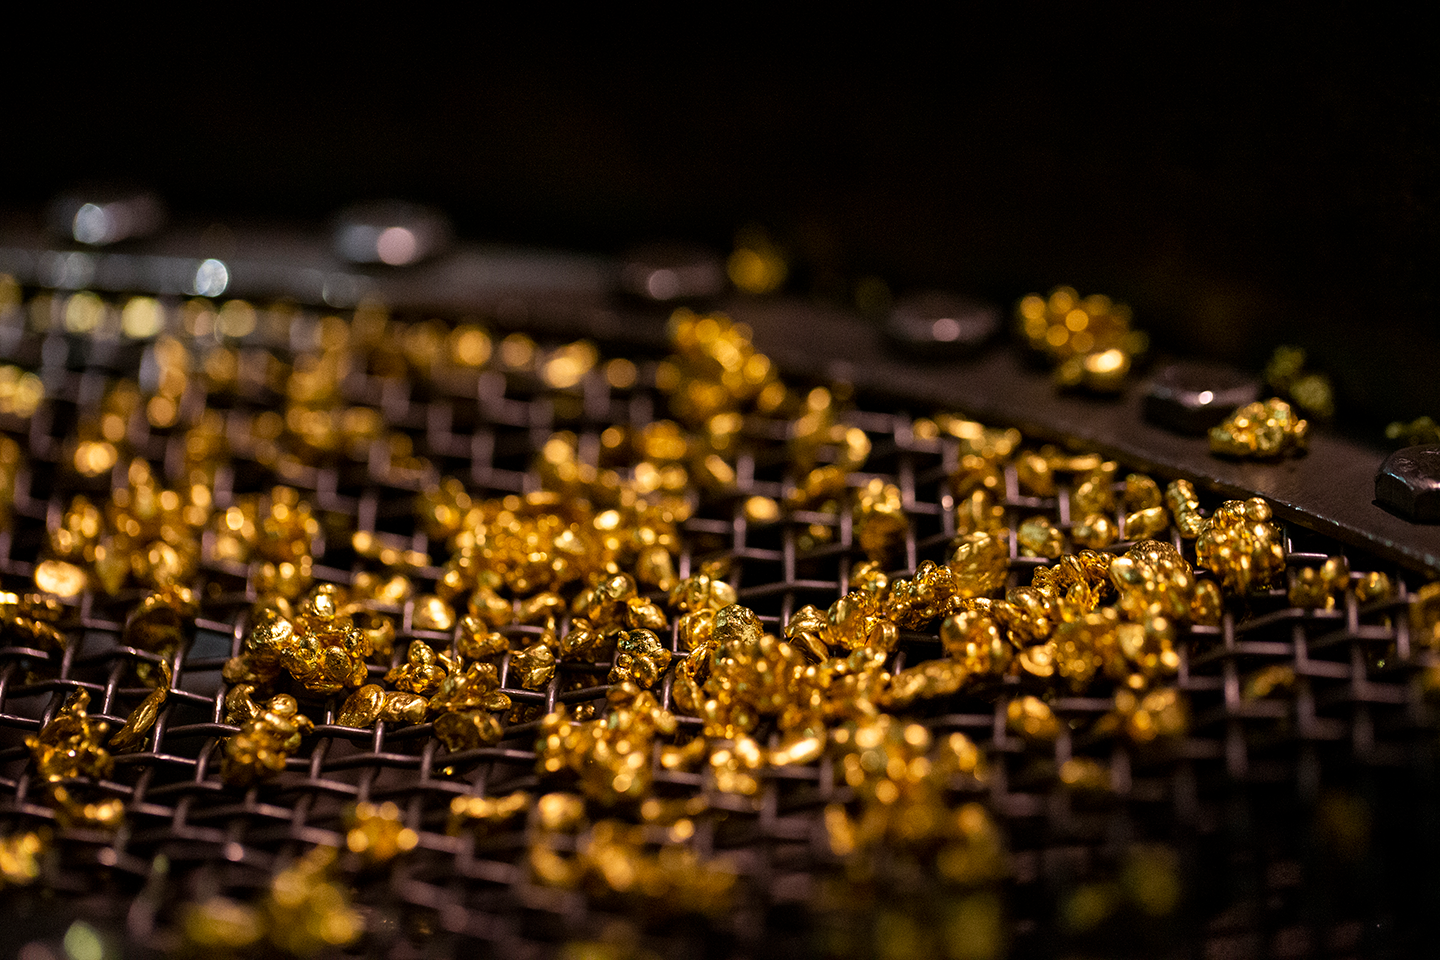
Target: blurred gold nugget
(1089, 341)
(378, 833)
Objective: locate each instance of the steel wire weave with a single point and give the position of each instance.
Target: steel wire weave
(1237, 798)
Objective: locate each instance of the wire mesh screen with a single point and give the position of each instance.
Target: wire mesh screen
(1281, 822)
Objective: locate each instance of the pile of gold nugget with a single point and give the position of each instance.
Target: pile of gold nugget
(580, 666)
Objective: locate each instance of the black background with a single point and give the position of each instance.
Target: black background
(1241, 178)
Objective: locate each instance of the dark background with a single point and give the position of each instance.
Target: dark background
(1242, 179)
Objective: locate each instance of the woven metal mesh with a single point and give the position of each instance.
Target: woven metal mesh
(1243, 799)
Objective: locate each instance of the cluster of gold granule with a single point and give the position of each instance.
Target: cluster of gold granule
(1263, 429)
(580, 584)
(70, 757)
(825, 681)
(1089, 340)
(145, 535)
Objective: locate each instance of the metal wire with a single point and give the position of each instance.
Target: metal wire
(1238, 797)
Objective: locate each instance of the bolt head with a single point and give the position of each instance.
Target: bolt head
(1408, 483)
(672, 272)
(937, 325)
(389, 233)
(99, 215)
(1190, 397)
